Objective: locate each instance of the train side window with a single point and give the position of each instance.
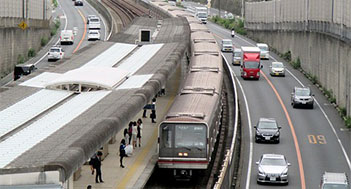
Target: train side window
(166, 137)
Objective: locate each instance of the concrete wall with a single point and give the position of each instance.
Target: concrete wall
(15, 41)
(321, 55)
(33, 9)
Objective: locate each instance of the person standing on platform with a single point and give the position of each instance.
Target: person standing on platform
(134, 134)
(97, 166)
(122, 152)
(153, 116)
(130, 131)
(140, 129)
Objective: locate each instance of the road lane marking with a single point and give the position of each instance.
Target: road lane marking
(296, 142)
(65, 17)
(85, 31)
(316, 139)
(326, 117)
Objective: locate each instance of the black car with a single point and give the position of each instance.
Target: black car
(267, 130)
(23, 69)
(78, 3)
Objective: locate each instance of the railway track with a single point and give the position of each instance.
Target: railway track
(127, 11)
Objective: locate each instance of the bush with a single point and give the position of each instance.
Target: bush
(237, 24)
(55, 3)
(348, 121)
(343, 111)
(55, 28)
(31, 53)
(20, 59)
(287, 56)
(296, 64)
(44, 41)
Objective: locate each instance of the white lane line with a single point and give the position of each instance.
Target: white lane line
(102, 18)
(250, 131)
(326, 117)
(64, 13)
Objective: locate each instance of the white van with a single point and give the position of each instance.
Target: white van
(67, 37)
(264, 50)
(94, 23)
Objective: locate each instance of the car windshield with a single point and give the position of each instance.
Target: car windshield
(302, 92)
(237, 54)
(273, 162)
(202, 15)
(277, 65)
(94, 20)
(251, 64)
(335, 186)
(227, 43)
(93, 32)
(267, 125)
(54, 50)
(263, 48)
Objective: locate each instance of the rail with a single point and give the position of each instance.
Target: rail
(228, 161)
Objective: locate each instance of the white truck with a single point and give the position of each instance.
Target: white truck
(201, 14)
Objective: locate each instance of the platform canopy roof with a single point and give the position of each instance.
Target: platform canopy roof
(94, 77)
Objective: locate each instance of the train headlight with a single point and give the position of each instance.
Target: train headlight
(185, 154)
(180, 154)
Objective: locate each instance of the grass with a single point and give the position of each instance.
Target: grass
(20, 59)
(31, 53)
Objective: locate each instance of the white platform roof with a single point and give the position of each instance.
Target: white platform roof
(99, 77)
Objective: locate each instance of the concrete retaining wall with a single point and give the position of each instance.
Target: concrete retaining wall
(16, 42)
(31, 9)
(321, 55)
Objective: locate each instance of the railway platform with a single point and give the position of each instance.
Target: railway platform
(139, 166)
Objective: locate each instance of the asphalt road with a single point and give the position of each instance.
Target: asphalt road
(315, 137)
(70, 17)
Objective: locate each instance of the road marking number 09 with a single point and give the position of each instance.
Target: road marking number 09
(317, 139)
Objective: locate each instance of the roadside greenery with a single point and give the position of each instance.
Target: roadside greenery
(235, 23)
(31, 53)
(55, 27)
(55, 3)
(20, 59)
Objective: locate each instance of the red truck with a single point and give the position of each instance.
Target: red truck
(250, 63)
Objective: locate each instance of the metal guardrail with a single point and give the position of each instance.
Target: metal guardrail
(226, 172)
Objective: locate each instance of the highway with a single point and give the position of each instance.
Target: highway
(313, 129)
(72, 17)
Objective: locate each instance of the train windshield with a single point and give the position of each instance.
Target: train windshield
(190, 136)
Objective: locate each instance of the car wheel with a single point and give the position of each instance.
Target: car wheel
(293, 105)
(278, 141)
(311, 106)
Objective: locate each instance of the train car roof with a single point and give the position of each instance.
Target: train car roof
(201, 36)
(194, 27)
(206, 61)
(203, 82)
(192, 107)
(205, 48)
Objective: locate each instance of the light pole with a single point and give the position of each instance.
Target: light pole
(242, 9)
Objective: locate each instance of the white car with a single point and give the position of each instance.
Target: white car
(272, 168)
(93, 35)
(55, 53)
(90, 17)
(264, 50)
(67, 37)
(277, 69)
(237, 57)
(227, 45)
(94, 23)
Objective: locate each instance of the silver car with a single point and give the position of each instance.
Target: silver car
(272, 168)
(302, 96)
(277, 69)
(227, 45)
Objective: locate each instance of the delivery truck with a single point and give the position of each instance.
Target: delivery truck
(250, 65)
(201, 14)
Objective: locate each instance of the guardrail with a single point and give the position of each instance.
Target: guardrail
(228, 166)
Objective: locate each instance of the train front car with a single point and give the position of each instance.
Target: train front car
(188, 134)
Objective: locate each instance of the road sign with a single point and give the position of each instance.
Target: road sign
(23, 25)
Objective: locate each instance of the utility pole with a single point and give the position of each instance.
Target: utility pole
(219, 8)
(242, 9)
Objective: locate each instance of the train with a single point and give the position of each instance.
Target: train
(188, 133)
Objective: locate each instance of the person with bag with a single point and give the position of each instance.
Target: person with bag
(140, 129)
(97, 167)
(122, 152)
